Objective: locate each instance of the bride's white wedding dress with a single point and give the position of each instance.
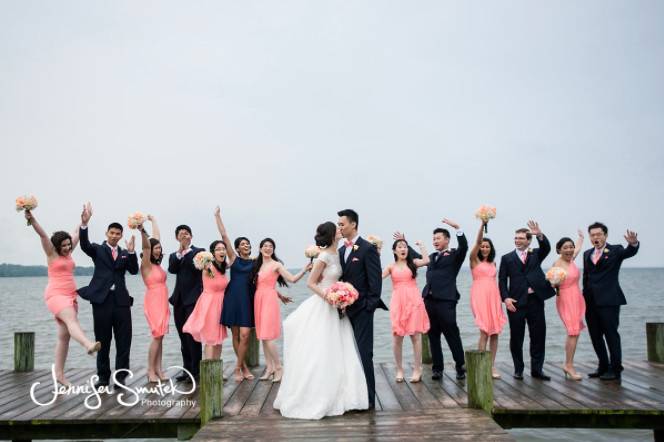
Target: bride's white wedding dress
(323, 374)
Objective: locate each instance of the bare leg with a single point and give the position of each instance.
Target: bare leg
(416, 340)
(158, 358)
(235, 332)
(69, 318)
(61, 350)
(570, 349)
(481, 346)
(243, 347)
(271, 349)
(153, 354)
(397, 348)
(493, 346)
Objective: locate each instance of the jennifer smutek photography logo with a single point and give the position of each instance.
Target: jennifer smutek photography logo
(128, 397)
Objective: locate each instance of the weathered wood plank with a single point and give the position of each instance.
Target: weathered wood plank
(388, 399)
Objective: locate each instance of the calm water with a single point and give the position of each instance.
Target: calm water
(24, 310)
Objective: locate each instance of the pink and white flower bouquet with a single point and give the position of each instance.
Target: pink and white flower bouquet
(203, 262)
(485, 213)
(341, 295)
(312, 252)
(135, 220)
(26, 202)
(556, 276)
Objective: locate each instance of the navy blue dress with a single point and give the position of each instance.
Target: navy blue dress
(238, 307)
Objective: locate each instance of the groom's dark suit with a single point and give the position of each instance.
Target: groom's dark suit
(362, 270)
(111, 303)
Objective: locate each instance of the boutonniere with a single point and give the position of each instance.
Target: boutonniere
(530, 250)
(606, 250)
(446, 254)
(355, 247)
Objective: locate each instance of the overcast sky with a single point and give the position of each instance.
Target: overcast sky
(285, 112)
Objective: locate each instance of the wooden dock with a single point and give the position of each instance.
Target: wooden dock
(427, 410)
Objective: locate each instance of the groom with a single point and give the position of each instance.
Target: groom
(360, 264)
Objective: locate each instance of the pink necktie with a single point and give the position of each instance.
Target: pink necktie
(348, 244)
(596, 256)
(114, 253)
(523, 257)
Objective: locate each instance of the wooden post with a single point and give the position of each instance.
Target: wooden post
(252, 357)
(655, 338)
(480, 384)
(211, 389)
(426, 350)
(24, 351)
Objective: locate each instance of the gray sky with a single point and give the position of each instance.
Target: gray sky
(285, 112)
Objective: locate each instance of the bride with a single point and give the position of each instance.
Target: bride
(323, 373)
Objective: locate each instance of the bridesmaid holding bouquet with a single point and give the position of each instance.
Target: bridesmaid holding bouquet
(155, 301)
(60, 294)
(485, 300)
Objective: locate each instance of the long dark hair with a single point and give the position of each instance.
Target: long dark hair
(258, 263)
(153, 244)
(409, 258)
(58, 238)
(221, 267)
(492, 253)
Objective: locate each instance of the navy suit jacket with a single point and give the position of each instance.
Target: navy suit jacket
(107, 272)
(188, 281)
(514, 277)
(442, 273)
(601, 281)
(363, 271)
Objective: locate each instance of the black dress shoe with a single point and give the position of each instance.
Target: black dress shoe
(461, 374)
(517, 375)
(541, 376)
(610, 376)
(100, 384)
(596, 374)
(182, 377)
(371, 407)
(437, 375)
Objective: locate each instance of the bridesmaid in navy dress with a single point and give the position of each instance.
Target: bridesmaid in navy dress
(238, 310)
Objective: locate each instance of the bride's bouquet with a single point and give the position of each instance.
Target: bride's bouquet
(135, 220)
(341, 295)
(556, 276)
(312, 252)
(203, 262)
(485, 213)
(26, 202)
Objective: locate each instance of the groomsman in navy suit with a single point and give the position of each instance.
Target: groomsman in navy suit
(441, 297)
(603, 295)
(188, 287)
(107, 292)
(524, 288)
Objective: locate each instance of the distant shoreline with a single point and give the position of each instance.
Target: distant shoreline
(17, 270)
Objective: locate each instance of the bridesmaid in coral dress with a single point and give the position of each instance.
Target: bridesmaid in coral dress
(569, 302)
(267, 272)
(60, 294)
(155, 301)
(407, 312)
(203, 323)
(485, 300)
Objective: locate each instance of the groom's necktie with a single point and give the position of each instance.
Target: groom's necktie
(596, 255)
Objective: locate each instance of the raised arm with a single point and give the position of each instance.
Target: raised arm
(45, 240)
(424, 256)
(542, 240)
(230, 251)
(86, 246)
(288, 276)
(156, 233)
(476, 247)
(632, 244)
(146, 264)
(578, 244)
(75, 236)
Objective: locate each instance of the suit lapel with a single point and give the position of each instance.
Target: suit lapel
(342, 253)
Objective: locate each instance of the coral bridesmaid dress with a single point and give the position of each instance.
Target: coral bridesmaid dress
(203, 323)
(60, 292)
(570, 303)
(266, 307)
(155, 302)
(407, 312)
(485, 301)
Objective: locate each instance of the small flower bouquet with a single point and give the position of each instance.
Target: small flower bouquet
(203, 262)
(341, 295)
(312, 252)
(135, 220)
(556, 276)
(26, 202)
(485, 213)
(376, 241)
